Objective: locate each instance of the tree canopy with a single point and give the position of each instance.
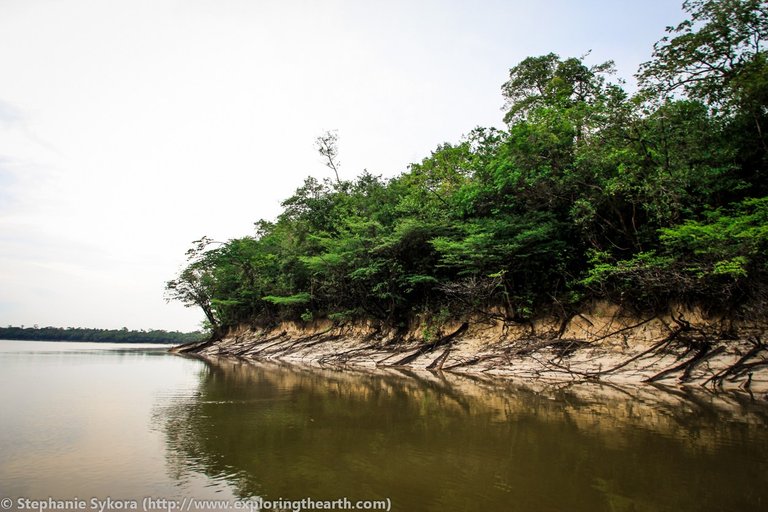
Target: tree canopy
(589, 193)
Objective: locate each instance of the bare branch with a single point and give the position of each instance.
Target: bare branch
(327, 146)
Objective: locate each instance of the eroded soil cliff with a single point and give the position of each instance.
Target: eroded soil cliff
(602, 344)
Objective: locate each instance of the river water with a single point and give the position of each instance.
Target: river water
(112, 426)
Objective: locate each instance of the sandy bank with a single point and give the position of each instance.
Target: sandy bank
(603, 344)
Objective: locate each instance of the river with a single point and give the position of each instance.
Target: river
(120, 426)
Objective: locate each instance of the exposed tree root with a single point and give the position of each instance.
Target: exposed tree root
(745, 368)
(704, 352)
(195, 346)
(686, 376)
(437, 364)
(740, 367)
(258, 343)
(473, 361)
(259, 348)
(304, 339)
(658, 346)
(432, 346)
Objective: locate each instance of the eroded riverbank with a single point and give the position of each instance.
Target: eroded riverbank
(604, 344)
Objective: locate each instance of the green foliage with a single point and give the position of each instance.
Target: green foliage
(291, 300)
(716, 55)
(432, 327)
(730, 242)
(342, 316)
(548, 81)
(718, 260)
(590, 193)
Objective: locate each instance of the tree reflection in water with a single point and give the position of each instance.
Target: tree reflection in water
(447, 442)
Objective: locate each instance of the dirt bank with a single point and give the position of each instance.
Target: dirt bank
(602, 344)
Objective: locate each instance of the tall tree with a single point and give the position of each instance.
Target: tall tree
(548, 80)
(713, 54)
(717, 56)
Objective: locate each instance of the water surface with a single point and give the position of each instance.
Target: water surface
(124, 421)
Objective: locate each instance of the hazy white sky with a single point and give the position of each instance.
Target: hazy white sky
(130, 128)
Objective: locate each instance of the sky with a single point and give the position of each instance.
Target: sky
(130, 128)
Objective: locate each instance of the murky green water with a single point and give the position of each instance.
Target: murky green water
(83, 421)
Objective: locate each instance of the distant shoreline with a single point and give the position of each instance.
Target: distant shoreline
(92, 341)
(80, 334)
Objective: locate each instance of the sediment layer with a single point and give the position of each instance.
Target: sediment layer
(603, 344)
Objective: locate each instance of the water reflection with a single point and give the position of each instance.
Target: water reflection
(445, 443)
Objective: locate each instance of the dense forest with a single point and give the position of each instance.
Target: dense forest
(590, 193)
(102, 335)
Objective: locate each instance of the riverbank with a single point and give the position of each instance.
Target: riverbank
(603, 344)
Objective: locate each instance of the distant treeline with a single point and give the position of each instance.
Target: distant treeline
(104, 335)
